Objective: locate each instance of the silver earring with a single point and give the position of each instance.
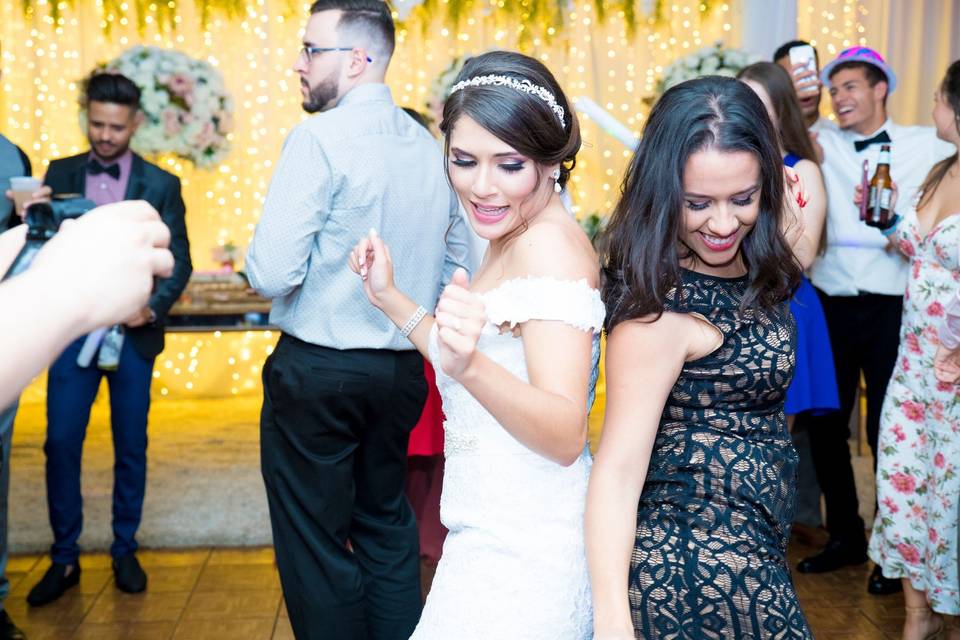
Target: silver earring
(556, 181)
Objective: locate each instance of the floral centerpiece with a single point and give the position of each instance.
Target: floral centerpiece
(714, 60)
(187, 110)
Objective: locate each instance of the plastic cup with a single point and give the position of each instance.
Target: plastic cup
(23, 188)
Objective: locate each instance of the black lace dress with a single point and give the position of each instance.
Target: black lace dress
(714, 517)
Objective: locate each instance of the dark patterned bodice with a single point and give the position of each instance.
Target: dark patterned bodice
(714, 516)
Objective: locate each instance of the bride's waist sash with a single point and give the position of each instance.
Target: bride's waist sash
(459, 440)
(486, 440)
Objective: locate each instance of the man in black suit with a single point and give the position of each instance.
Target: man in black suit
(109, 172)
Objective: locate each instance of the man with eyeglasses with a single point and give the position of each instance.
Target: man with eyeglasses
(343, 388)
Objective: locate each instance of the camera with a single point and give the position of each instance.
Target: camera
(43, 220)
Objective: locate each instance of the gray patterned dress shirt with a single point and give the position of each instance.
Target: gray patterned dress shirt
(364, 163)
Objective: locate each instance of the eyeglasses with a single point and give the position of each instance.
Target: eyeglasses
(307, 53)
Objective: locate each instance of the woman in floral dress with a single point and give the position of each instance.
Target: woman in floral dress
(916, 529)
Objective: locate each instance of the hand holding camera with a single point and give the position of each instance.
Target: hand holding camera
(105, 262)
(94, 272)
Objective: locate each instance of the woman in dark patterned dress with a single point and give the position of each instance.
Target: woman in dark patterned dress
(692, 491)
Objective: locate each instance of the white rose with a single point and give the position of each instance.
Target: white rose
(153, 101)
(710, 65)
(727, 72)
(691, 61)
(736, 58)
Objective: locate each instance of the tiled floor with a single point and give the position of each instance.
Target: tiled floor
(234, 594)
(191, 595)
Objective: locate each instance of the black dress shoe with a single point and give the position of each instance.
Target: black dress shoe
(8, 630)
(880, 586)
(129, 574)
(53, 584)
(835, 555)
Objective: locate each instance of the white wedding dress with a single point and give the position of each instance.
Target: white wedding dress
(514, 565)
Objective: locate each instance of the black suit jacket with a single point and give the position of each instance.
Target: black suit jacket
(162, 190)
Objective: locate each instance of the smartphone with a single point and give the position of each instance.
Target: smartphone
(806, 56)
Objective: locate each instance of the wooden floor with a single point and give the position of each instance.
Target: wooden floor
(838, 606)
(235, 594)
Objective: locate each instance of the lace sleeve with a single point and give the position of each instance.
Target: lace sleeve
(518, 300)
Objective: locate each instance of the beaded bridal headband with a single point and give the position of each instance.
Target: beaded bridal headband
(523, 85)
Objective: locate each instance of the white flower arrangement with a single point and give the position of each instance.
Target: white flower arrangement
(714, 60)
(187, 110)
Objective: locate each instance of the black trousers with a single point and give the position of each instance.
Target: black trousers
(333, 444)
(865, 335)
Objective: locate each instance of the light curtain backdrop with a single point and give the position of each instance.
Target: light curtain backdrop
(42, 63)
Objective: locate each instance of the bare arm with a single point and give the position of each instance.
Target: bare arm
(370, 259)
(643, 362)
(546, 414)
(946, 363)
(95, 272)
(549, 413)
(804, 226)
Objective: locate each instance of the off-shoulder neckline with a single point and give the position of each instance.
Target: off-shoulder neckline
(508, 281)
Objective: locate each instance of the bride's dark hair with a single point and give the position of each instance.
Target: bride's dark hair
(642, 248)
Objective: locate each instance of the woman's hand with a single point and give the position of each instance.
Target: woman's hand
(460, 319)
(894, 192)
(104, 263)
(370, 259)
(43, 194)
(796, 198)
(946, 365)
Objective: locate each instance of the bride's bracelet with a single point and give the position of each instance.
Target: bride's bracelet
(412, 323)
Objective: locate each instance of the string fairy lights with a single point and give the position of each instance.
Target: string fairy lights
(611, 61)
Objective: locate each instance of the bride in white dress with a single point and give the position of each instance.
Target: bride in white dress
(515, 352)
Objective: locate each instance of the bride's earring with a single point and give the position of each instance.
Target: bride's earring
(556, 181)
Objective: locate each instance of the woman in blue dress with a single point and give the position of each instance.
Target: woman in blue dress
(814, 386)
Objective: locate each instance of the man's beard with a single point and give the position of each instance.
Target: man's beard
(321, 95)
(112, 154)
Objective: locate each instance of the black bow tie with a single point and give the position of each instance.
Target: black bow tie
(860, 145)
(94, 168)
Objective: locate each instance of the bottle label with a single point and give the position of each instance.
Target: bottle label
(885, 197)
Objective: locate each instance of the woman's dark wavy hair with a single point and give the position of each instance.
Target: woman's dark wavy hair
(523, 121)
(950, 91)
(642, 246)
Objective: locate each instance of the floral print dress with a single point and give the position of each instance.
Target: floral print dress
(915, 534)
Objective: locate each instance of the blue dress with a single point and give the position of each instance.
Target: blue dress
(814, 386)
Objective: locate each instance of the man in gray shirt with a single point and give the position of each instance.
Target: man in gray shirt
(343, 388)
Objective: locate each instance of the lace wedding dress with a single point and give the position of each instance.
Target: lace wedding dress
(514, 565)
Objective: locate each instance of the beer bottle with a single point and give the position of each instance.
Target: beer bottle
(878, 202)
